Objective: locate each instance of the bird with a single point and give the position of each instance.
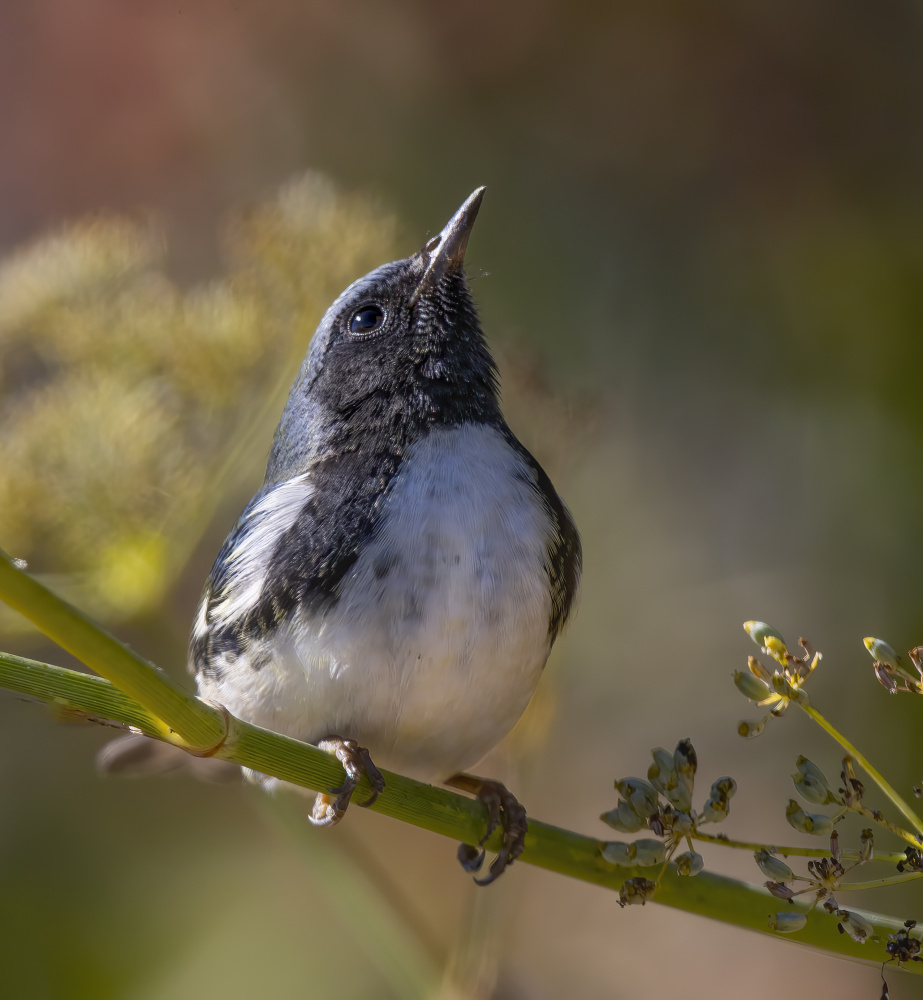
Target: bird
(393, 590)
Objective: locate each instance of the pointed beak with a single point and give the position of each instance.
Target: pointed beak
(446, 252)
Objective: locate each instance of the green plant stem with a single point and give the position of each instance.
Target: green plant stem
(178, 715)
(876, 883)
(74, 693)
(872, 772)
(452, 815)
(876, 817)
(798, 852)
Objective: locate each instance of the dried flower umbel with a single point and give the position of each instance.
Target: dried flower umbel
(904, 946)
(776, 689)
(663, 804)
(824, 877)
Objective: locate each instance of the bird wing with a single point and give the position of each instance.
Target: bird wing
(235, 587)
(291, 548)
(564, 556)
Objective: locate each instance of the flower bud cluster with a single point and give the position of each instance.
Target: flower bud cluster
(663, 804)
(889, 669)
(825, 875)
(774, 689)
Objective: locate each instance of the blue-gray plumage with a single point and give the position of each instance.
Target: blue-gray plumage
(399, 579)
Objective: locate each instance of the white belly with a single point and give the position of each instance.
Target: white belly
(440, 634)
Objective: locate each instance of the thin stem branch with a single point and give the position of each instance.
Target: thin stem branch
(449, 814)
(876, 882)
(798, 852)
(177, 715)
(886, 824)
(73, 693)
(872, 772)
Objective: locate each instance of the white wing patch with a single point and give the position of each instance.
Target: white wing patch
(201, 619)
(257, 535)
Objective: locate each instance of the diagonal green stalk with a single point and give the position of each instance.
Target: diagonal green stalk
(452, 815)
(885, 824)
(178, 715)
(876, 883)
(872, 772)
(791, 852)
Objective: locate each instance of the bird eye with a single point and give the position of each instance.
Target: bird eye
(366, 320)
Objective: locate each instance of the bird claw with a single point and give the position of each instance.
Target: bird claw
(471, 858)
(330, 806)
(503, 810)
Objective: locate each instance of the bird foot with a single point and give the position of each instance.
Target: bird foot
(330, 807)
(503, 810)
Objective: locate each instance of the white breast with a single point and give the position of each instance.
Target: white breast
(440, 634)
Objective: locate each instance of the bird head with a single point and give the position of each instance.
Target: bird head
(400, 350)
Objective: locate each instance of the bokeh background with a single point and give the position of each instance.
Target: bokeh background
(699, 262)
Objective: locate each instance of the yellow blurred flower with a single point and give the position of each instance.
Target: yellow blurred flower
(128, 404)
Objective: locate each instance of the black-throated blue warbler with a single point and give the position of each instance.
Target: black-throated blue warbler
(393, 590)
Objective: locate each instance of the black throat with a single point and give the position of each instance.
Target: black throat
(432, 370)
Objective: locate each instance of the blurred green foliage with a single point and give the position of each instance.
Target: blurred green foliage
(127, 401)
